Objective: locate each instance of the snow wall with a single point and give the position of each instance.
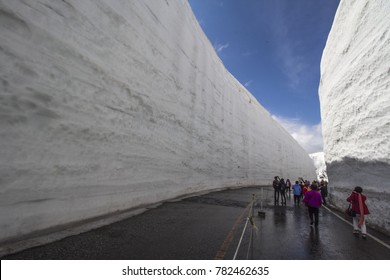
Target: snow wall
(113, 105)
(355, 106)
(319, 163)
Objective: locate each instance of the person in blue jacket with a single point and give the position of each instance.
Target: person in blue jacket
(297, 190)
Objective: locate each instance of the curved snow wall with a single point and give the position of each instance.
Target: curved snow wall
(355, 106)
(112, 105)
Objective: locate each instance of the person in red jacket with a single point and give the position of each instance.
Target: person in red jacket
(359, 206)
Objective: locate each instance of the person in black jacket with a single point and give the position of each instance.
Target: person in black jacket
(283, 191)
(276, 186)
(324, 191)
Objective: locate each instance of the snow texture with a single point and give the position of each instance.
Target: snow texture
(319, 163)
(114, 105)
(355, 105)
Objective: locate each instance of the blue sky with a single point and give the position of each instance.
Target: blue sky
(274, 48)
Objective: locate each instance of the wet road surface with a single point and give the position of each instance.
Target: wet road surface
(211, 226)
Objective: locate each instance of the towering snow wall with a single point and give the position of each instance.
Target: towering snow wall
(355, 105)
(319, 163)
(111, 105)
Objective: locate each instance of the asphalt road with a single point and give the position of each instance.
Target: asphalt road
(211, 226)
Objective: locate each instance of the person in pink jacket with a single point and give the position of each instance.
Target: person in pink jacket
(313, 201)
(358, 201)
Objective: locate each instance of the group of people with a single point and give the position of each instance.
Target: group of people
(280, 188)
(314, 194)
(283, 188)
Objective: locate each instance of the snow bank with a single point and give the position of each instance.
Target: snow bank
(112, 105)
(355, 105)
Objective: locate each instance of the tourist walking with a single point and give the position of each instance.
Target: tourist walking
(288, 186)
(313, 202)
(276, 186)
(302, 184)
(358, 201)
(283, 191)
(324, 191)
(305, 188)
(297, 191)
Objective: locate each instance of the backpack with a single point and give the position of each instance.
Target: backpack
(282, 186)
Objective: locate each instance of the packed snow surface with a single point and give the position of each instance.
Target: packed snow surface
(355, 105)
(112, 105)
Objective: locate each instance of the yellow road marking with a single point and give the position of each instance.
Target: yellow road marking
(229, 238)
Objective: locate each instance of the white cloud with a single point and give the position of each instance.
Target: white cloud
(248, 83)
(220, 47)
(309, 137)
